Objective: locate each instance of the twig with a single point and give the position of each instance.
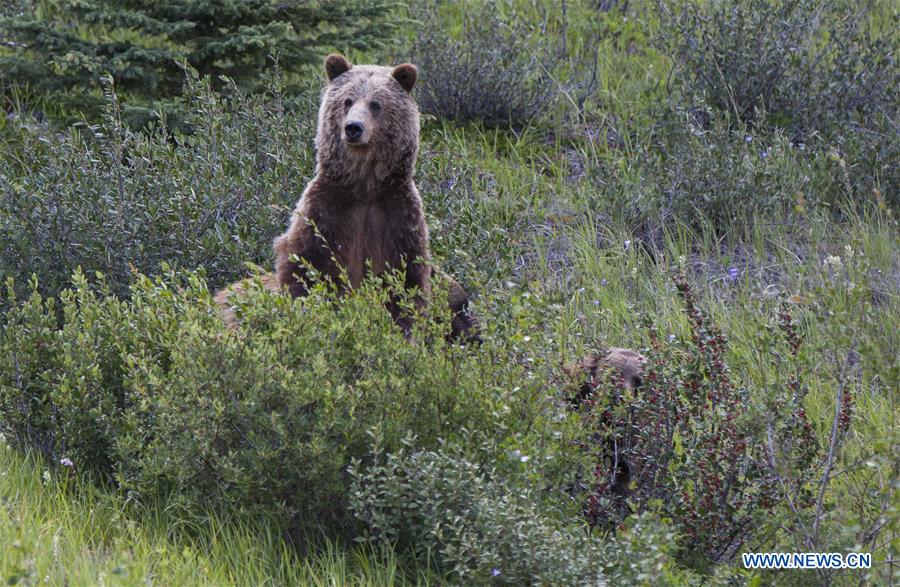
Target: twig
(835, 437)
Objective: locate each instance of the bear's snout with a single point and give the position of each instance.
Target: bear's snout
(353, 131)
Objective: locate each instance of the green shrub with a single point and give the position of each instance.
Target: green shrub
(724, 177)
(715, 178)
(446, 510)
(107, 199)
(807, 66)
(824, 74)
(489, 72)
(155, 393)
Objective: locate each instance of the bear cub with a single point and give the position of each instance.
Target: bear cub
(629, 365)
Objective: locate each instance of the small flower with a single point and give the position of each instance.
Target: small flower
(603, 282)
(833, 261)
(627, 244)
(46, 476)
(580, 290)
(67, 462)
(524, 458)
(848, 250)
(495, 572)
(748, 139)
(596, 302)
(671, 338)
(763, 154)
(682, 260)
(733, 273)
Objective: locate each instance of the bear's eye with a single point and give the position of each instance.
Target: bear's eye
(348, 103)
(375, 107)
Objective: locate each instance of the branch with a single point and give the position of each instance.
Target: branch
(835, 437)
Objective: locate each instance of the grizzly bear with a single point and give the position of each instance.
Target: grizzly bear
(362, 213)
(630, 366)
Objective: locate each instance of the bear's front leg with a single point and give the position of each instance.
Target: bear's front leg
(296, 251)
(417, 280)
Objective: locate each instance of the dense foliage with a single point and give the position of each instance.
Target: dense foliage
(141, 45)
(805, 65)
(477, 524)
(119, 201)
(155, 393)
(592, 185)
(491, 72)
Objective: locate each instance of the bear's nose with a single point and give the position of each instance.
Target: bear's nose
(354, 130)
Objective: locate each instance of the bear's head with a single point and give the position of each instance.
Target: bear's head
(368, 121)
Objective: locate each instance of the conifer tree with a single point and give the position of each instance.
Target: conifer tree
(60, 50)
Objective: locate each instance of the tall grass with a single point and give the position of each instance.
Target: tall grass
(57, 530)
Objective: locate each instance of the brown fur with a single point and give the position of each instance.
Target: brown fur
(223, 297)
(464, 324)
(362, 213)
(630, 365)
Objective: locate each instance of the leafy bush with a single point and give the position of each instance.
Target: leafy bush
(716, 178)
(862, 163)
(721, 176)
(107, 199)
(489, 71)
(156, 394)
(445, 509)
(825, 74)
(713, 176)
(838, 376)
(807, 66)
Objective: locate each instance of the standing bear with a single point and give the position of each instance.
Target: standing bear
(361, 212)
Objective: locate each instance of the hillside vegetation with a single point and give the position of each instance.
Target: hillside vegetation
(713, 184)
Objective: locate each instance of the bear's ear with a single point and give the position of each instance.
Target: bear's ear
(405, 74)
(335, 65)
